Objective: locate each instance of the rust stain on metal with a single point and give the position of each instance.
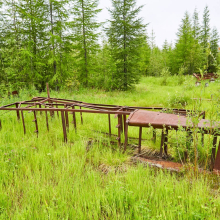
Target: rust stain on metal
(164, 120)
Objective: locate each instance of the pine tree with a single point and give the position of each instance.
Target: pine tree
(197, 48)
(214, 50)
(196, 26)
(59, 44)
(125, 35)
(205, 37)
(85, 39)
(183, 47)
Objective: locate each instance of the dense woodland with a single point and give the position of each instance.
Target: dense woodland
(62, 42)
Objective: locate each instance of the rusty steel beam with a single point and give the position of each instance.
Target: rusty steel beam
(18, 114)
(126, 136)
(166, 142)
(74, 117)
(67, 119)
(70, 110)
(36, 125)
(119, 132)
(162, 143)
(23, 122)
(64, 127)
(47, 124)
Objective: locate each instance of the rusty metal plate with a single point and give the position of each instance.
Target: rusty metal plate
(161, 120)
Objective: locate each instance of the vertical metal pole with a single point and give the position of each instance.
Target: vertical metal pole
(119, 132)
(81, 116)
(64, 126)
(121, 127)
(67, 119)
(74, 118)
(213, 151)
(162, 143)
(57, 111)
(124, 117)
(109, 124)
(22, 116)
(126, 137)
(35, 121)
(165, 142)
(18, 114)
(140, 135)
(47, 119)
(40, 107)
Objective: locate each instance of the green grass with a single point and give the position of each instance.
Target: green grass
(89, 177)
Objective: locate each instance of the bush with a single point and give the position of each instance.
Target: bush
(181, 78)
(165, 74)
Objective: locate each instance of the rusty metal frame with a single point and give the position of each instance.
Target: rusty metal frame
(64, 107)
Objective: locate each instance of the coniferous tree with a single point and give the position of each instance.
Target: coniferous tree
(85, 39)
(214, 62)
(125, 35)
(205, 37)
(197, 48)
(59, 44)
(183, 47)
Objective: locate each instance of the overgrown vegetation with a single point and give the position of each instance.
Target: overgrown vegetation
(57, 41)
(89, 177)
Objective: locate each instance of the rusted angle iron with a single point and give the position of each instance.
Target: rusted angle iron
(101, 105)
(69, 110)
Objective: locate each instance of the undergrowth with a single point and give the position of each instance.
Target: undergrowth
(89, 177)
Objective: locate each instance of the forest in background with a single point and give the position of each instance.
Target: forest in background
(61, 42)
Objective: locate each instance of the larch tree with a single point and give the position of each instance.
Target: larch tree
(125, 33)
(59, 48)
(85, 40)
(214, 44)
(184, 45)
(197, 48)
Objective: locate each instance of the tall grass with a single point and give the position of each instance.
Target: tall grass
(89, 177)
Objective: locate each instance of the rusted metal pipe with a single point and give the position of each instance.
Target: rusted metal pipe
(64, 126)
(22, 116)
(47, 124)
(18, 114)
(35, 121)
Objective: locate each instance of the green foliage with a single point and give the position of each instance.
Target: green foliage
(126, 36)
(165, 74)
(85, 40)
(181, 77)
(43, 177)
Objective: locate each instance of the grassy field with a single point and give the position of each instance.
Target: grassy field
(89, 177)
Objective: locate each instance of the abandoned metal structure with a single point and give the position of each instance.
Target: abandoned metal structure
(137, 116)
